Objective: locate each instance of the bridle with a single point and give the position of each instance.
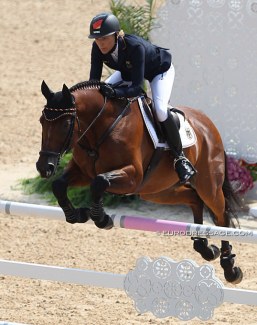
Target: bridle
(93, 152)
(67, 143)
(73, 113)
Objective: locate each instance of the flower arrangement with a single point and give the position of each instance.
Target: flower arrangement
(241, 174)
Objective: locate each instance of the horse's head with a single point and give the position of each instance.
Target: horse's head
(57, 120)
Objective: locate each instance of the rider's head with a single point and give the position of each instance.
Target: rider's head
(104, 24)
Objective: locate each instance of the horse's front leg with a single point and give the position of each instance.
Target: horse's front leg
(59, 188)
(97, 213)
(119, 181)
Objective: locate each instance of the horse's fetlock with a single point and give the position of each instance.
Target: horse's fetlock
(200, 244)
(226, 252)
(82, 215)
(227, 262)
(97, 211)
(106, 223)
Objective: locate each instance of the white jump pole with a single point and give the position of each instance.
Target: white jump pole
(167, 227)
(10, 323)
(62, 274)
(99, 279)
(253, 211)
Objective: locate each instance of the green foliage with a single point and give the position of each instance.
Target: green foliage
(134, 19)
(80, 197)
(253, 170)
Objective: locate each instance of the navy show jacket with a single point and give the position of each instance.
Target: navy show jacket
(138, 59)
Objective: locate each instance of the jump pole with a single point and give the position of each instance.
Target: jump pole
(253, 211)
(100, 279)
(166, 227)
(62, 274)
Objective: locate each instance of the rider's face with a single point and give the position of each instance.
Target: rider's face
(105, 43)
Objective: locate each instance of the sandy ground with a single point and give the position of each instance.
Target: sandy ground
(46, 39)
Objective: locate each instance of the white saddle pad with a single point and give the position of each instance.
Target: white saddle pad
(187, 133)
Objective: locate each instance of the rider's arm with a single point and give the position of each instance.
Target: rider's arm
(96, 63)
(137, 74)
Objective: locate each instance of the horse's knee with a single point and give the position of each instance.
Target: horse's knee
(98, 186)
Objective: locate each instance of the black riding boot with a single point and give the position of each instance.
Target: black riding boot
(182, 165)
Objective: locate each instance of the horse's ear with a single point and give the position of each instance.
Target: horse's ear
(66, 92)
(46, 91)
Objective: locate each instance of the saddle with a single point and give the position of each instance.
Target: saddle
(187, 134)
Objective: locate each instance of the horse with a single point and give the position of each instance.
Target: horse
(112, 152)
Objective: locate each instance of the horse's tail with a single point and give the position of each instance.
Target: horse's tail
(233, 203)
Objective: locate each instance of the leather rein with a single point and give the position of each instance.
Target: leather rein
(93, 152)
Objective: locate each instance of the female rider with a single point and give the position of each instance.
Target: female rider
(134, 60)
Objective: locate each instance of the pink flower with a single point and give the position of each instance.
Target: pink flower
(239, 176)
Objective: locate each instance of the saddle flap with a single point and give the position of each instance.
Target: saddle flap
(187, 133)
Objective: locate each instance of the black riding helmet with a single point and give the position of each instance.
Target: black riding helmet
(103, 25)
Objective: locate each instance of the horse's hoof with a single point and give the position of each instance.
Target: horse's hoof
(106, 223)
(208, 252)
(234, 276)
(71, 219)
(82, 215)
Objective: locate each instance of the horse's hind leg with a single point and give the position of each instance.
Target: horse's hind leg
(232, 273)
(186, 195)
(208, 252)
(220, 210)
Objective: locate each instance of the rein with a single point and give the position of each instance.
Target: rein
(94, 120)
(94, 152)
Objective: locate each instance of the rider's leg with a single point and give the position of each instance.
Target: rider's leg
(182, 165)
(116, 78)
(161, 87)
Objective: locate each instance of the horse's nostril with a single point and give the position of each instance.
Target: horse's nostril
(51, 168)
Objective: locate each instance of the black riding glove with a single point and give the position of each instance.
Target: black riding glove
(107, 91)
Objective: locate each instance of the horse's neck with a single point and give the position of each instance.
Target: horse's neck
(88, 100)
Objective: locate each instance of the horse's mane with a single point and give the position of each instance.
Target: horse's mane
(91, 84)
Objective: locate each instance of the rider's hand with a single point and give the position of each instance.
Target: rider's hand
(107, 91)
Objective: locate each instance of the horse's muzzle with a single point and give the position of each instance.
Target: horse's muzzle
(47, 163)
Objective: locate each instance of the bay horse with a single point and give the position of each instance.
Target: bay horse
(113, 152)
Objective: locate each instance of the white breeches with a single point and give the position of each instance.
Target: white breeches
(161, 87)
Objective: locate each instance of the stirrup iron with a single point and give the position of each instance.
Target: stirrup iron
(184, 168)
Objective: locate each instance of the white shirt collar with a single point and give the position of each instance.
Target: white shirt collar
(114, 53)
